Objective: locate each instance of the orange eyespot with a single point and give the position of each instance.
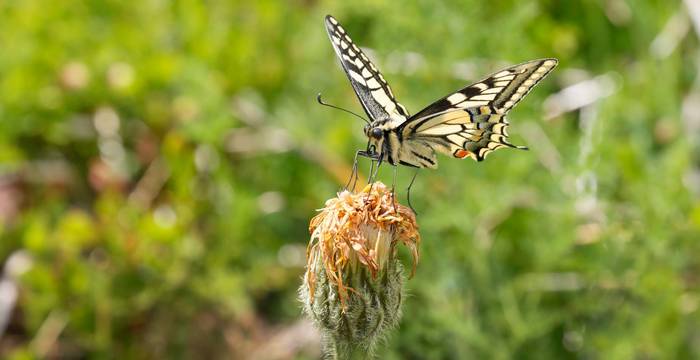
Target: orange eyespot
(461, 153)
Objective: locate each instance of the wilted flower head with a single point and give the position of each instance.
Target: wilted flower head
(353, 284)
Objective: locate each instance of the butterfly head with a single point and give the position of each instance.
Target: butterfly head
(374, 132)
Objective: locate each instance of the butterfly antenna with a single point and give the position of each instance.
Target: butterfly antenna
(320, 101)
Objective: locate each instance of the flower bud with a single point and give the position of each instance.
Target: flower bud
(353, 284)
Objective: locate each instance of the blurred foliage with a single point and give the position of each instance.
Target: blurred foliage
(159, 162)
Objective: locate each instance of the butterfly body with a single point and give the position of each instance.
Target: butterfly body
(470, 122)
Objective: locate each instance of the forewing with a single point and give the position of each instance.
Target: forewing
(373, 91)
(501, 90)
(471, 122)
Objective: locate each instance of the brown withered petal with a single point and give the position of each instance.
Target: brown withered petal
(359, 229)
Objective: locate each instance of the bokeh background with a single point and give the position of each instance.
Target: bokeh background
(160, 160)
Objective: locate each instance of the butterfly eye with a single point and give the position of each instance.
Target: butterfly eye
(377, 133)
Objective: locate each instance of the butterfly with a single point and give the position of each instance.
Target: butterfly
(470, 122)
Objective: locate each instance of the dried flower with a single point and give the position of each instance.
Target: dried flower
(353, 284)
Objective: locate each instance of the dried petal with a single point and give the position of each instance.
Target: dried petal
(351, 224)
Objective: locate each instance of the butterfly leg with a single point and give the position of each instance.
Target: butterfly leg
(353, 175)
(376, 171)
(373, 175)
(408, 192)
(370, 178)
(393, 189)
(374, 156)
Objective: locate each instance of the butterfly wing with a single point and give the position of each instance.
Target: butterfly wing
(374, 93)
(471, 122)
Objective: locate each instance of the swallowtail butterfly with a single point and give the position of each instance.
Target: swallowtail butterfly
(470, 122)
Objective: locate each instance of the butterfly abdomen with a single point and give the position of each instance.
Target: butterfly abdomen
(418, 154)
(415, 155)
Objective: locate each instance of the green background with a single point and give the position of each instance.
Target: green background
(160, 160)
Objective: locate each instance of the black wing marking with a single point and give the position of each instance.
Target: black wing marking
(471, 122)
(374, 93)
